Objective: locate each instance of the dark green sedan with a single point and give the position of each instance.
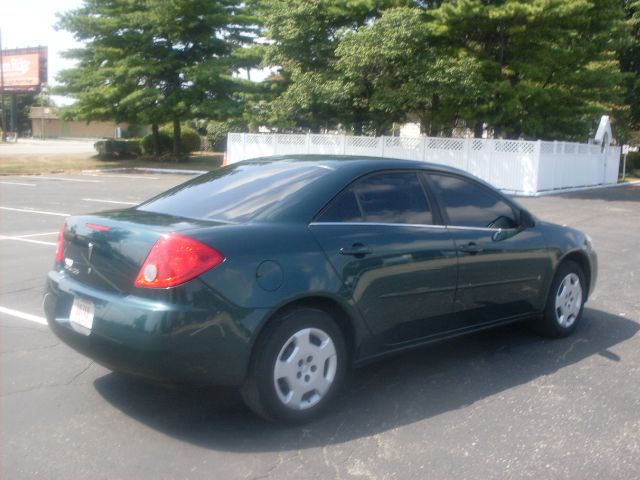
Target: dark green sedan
(279, 274)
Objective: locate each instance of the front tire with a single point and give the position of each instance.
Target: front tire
(298, 367)
(565, 301)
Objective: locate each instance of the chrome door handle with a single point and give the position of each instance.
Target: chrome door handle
(471, 247)
(357, 250)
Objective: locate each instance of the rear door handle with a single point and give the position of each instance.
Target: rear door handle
(471, 247)
(357, 250)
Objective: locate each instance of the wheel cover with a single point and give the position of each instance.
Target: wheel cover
(568, 300)
(305, 368)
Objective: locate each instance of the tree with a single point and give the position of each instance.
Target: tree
(521, 68)
(630, 65)
(549, 66)
(304, 35)
(154, 60)
(394, 67)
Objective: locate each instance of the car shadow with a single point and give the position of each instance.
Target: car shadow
(388, 394)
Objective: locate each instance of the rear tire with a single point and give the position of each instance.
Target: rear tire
(298, 367)
(565, 302)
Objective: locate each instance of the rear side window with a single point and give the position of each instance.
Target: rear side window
(394, 197)
(468, 204)
(343, 209)
(237, 193)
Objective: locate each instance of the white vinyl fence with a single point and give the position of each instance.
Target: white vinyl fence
(514, 166)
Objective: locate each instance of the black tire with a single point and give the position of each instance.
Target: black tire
(266, 396)
(561, 318)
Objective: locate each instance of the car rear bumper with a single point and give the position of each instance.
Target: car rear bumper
(204, 344)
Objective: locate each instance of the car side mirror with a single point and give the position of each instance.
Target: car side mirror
(526, 219)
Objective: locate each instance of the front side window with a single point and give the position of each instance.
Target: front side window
(394, 197)
(468, 204)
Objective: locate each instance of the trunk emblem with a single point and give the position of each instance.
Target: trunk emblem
(89, 253)
(68, 265)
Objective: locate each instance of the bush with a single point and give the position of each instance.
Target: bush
(117, 148)
(189, 140)
(166, 143)
(217, 133)
(633, 161)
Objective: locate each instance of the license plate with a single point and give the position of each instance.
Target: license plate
(82, 315)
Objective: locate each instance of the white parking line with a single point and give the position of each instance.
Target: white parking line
(35, 235)
(109, 201)
(20, 184)
(38, 177)
(42, 212)
(26, 240)
(23, 316)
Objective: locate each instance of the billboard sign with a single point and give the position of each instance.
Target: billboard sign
(24, 69)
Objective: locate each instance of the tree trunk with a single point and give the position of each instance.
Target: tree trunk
(156, 140)
(478, 130)
(176, 139)
(434, 129)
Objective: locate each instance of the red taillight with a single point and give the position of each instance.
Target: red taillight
(175, 259)
(60, 246)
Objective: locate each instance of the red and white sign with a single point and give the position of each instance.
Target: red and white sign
(24, 69)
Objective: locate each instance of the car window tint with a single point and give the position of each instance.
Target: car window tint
(470, 205)
(343, 209)
(237, 193)
(393, 198)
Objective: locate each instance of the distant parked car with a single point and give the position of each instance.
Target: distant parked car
(277, 275)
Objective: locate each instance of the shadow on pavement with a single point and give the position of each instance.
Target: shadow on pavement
(385, 395)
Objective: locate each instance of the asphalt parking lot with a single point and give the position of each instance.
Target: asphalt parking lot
(498, 404)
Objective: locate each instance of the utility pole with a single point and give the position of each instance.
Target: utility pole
(2, 125)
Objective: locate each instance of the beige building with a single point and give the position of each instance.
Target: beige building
(46, 124)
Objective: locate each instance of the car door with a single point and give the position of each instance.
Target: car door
(395, 261)
(501, 264)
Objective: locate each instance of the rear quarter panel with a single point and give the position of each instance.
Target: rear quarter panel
(268, 266)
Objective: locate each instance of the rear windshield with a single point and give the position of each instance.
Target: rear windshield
(237, 193)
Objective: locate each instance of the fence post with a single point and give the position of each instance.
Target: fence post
(307, 143)
(381, 140)
(536, 165)
(343, 144)
(244, 147)
(424, 149)
(467, 153)
(490, 152)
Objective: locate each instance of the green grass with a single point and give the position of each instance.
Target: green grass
(26, 164)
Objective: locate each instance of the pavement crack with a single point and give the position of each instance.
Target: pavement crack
(563, 357)
(48, 385)
(76, 376)
(20, 350)
(325, 453)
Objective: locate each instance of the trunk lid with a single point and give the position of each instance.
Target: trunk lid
(107, 250)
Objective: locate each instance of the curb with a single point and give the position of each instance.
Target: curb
(148, 169)
(581, 189)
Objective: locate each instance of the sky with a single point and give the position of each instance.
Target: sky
(30, 23)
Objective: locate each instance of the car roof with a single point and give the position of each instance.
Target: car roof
(349, 161)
